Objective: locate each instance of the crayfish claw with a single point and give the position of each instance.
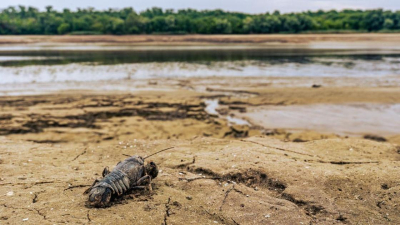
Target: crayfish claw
(99, 197)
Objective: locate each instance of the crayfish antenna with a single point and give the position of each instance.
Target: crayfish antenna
(158, 152)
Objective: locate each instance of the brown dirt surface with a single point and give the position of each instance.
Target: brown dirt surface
(257, 180)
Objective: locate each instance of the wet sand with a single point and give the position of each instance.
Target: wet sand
(345, 119)
(181, 113)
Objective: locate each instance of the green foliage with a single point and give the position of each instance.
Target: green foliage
(63, 28)
(221, 26)
(388, 24)
(29, 20)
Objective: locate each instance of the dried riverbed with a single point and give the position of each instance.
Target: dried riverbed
(302, 148)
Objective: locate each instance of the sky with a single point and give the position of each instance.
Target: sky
(248, 6)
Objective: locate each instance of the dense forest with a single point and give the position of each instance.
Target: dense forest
(29, 20)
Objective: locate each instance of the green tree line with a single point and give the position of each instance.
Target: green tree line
(30, 20)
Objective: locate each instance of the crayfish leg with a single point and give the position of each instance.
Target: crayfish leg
(106, 171)
(139, 188)
(145, 179)
(150, 187)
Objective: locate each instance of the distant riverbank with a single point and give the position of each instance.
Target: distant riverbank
(328, 40)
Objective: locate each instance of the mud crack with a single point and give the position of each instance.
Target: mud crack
(233, 188)
(250, 178)
(222, 219)
(31, 210)
(167, 211)
(29, 185)
(280, 149)
(310, 209)
(88, 216)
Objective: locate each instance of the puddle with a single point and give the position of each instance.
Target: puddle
(237, 121)
(212, 105)
(346, 119)
(211, 108)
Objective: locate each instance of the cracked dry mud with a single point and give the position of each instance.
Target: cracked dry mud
(97, 118)
(257, 180)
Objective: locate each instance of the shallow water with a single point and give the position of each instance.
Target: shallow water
(343, 119)
(59, 66)
(211, 108)
(125, 68)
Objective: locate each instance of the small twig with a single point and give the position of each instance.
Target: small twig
(342, 162)
(43, 182)
(346, 163)
(226, 196)
(199, 178)
(186, 164)
(194, 138)
(280, 149)
(79, 155)
(34, 200)
(36, 195)
(235, 221)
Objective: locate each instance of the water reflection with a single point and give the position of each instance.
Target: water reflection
(61, 66)
(112, 57)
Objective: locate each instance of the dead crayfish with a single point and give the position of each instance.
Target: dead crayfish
(127, 175)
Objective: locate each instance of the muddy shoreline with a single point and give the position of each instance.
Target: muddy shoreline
(182, 114)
